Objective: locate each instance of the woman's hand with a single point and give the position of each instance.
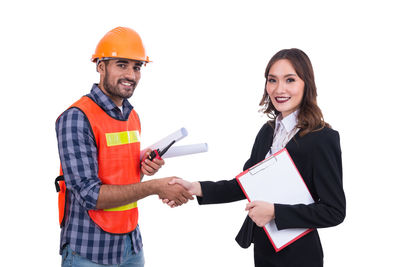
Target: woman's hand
(261, 212)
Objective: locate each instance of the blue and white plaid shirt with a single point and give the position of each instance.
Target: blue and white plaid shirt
(78, 155)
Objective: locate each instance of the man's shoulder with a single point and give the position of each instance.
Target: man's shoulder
(71, 113)
(72, 117)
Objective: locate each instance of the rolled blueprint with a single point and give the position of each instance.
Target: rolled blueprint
(177, 151)
(178, 135)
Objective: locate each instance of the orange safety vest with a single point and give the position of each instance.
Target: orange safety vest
(118, 155)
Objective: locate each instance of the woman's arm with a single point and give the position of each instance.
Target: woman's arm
(211, 192)
(220, 192)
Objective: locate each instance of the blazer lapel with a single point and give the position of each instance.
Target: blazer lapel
(269, 137)
(292, 142)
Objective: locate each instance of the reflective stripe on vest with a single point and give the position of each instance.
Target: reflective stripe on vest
(118, 150)
(122, 138)
(125, 207)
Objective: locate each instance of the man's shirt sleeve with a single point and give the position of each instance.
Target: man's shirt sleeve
(78, 156)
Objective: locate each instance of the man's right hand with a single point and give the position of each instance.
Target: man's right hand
(173, 192)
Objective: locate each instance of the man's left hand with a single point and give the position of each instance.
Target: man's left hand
(150, 167)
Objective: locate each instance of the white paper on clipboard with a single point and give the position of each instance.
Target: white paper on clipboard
(277, 180)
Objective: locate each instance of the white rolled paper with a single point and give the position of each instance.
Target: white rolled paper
(178, 135)
(176, 151)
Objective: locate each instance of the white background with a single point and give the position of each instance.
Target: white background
(208, 59)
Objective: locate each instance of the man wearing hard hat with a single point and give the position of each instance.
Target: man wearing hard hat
(100, 178)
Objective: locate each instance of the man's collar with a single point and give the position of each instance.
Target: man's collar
(104, 101)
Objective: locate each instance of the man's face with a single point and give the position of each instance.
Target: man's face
(120, 78)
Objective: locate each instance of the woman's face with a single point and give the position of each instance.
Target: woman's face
(284, 87)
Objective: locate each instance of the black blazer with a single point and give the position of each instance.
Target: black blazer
(317, 156)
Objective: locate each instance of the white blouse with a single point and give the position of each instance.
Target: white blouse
(285, 129)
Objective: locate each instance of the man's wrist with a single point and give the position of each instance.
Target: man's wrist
(154, 186)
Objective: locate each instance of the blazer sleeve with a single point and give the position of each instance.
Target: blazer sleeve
(220, 192)
(329, 208)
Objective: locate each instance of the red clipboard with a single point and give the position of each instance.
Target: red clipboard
(277, 180)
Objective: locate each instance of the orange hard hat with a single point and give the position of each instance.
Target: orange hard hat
(121, 42)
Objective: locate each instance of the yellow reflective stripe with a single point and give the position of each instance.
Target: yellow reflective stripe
(125, 207)
(122, 138)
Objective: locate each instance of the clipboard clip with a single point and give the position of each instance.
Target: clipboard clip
(263, 165)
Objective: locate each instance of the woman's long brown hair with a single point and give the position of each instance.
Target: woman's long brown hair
(310, 116)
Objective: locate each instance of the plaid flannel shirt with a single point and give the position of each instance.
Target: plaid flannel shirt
(78, 155)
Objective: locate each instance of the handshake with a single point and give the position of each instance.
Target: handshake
(175, 191)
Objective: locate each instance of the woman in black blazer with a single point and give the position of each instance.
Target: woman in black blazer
(290, 92)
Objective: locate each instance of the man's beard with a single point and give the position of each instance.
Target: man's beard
(114, 91)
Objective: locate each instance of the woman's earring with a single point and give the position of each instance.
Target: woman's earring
(267, 101)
